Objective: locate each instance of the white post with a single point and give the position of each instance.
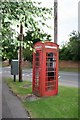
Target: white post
(55, 21)
(79, 16)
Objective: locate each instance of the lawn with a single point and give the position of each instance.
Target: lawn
(69, 69)
(64, 105)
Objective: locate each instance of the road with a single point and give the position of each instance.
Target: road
(65, 78)
(69, 79)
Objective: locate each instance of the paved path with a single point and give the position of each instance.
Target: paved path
(11, 105)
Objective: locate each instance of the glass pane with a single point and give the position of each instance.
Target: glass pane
(37, 58)
(37, 64)
(37, 53)
(50, 65)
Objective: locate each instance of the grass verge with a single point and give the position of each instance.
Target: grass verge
(64, 105)
(70, 69)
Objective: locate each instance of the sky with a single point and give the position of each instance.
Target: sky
(67, 18)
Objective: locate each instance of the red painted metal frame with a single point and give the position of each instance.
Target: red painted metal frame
(44, 84)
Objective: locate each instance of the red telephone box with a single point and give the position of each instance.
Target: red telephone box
(45, 69)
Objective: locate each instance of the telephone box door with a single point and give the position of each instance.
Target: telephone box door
(51, 71)
(36, 72)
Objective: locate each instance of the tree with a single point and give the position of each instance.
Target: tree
(30, 36)
(8, 44)
(64, 53)
(31, 39)
(74, 45)
(71, 50)
(30, 13)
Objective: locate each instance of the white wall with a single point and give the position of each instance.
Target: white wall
(79, 16)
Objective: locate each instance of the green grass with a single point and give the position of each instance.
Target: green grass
(69, 69)
(64, 105)
(0, 63)
(17, 87)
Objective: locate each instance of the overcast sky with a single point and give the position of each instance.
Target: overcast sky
(67, 18)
